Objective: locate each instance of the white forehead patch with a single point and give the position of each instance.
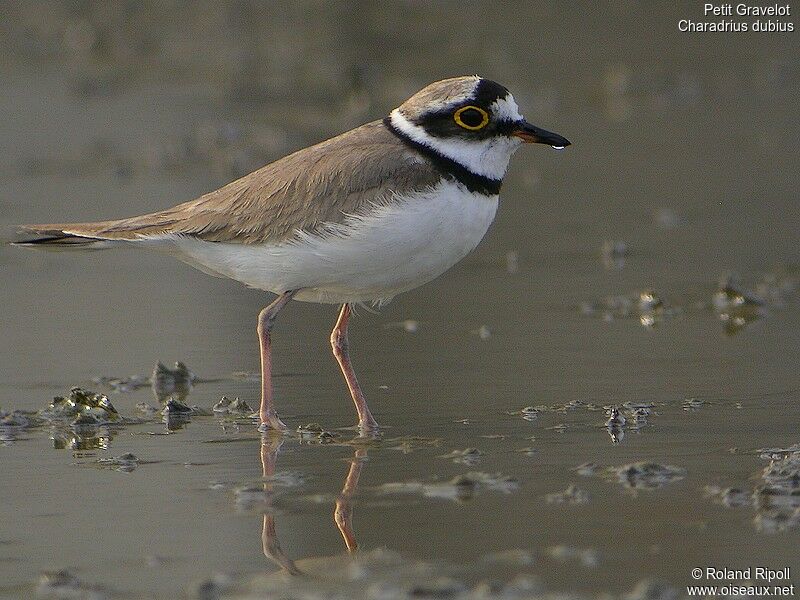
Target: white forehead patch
(506, 109)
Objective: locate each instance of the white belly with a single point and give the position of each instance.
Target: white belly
(392, 248)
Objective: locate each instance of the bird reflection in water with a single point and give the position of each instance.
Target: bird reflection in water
(343, 512)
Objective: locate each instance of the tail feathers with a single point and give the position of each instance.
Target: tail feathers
(56, 240)
(74, 235)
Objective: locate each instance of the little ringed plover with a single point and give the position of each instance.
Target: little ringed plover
(361, 217)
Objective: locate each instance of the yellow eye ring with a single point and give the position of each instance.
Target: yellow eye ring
(475, 126)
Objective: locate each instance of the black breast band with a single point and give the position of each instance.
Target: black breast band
(449, 167)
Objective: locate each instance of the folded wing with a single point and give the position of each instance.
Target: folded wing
(301, 192)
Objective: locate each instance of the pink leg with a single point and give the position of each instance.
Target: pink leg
(343, 515)
(269, 539)
(340, 347)
(266, 318)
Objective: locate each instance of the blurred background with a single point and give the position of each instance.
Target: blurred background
(682, 179)
(684, 144)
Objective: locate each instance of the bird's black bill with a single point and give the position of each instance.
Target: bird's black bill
(535, 135)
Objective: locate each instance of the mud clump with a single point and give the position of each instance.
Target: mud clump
(645, 475)
(572, 495)
(177, 382)
(81, 407)
(647, 306)
(146, 409)
(124, 463)
(776, 499)
(62, 585)
(529, 413)
(615, 424)
(232, 407)
(729, 497)
(468, 456)
(692, 404)
(735, 306)
(463, 487)
(731, 302)
(316, 431)
(588, 469)
(176, 408)
(122, 384)
(19, 419)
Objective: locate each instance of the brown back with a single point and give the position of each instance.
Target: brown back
(316, 185)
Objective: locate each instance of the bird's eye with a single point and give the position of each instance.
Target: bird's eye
(471, 117)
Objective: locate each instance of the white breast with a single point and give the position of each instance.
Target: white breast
(373, 256)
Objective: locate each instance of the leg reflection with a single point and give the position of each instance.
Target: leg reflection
(270, 445)
(343, 514)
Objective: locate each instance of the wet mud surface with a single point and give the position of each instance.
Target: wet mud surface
(181, 501)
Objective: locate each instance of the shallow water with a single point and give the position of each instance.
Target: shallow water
(686, 151)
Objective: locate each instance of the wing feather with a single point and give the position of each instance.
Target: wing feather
(300, 192)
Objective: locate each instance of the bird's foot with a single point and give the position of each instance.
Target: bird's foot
(368, 425)
(271, 422)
